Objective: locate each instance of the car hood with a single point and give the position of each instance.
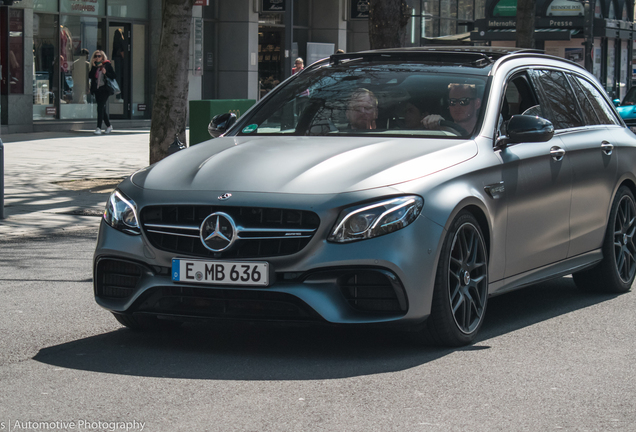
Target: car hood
(309, 165)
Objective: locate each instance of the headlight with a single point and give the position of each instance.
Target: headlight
(121, 213)
(376, 219)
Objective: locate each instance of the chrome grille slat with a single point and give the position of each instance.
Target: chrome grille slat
(261, 232)
(181, 227)
(173, 233)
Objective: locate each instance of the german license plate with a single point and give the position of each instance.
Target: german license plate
(247, 273)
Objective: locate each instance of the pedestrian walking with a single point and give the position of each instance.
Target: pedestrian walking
(100, 70)
(300, 65)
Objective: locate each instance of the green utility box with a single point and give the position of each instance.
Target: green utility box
(202, 111)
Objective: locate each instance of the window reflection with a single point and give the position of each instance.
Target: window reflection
(16, 50)
(79, 38)
(560, 98)
(45, 66)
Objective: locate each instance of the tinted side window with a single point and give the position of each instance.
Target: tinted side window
(519, 98)
(589, 113)
(602, 108)
(563, 110)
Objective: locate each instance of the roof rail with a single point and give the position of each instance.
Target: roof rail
(478, 59)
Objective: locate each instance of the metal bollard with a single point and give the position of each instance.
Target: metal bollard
(1, 180)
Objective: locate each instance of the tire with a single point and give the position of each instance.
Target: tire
(460, 295)
(615, 273)
(146, 323)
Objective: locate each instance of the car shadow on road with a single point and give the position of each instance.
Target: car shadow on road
(283, 352)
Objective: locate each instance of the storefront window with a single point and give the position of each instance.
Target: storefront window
(45, 66)
(16, 51)
(611, 64)
(448, 9)
(598, 58)
(44, 6)
(85, 7)
(128, 9)
(611, 14)
(269, 60)
(430, 20)
(623, 74)
(480, 9)
(465, 10)
(79, 37)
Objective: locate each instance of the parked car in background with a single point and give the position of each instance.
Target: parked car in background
(627, 108)
(402, 186)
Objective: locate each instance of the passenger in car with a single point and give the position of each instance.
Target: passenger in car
(414, 112)
(463, 105)
(362, 109)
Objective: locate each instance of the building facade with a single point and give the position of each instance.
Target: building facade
(561, 29)
(239, 48)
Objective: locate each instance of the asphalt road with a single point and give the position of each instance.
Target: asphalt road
(549, 358)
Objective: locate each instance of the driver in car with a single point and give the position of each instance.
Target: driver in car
(463, 105)
(362, 109)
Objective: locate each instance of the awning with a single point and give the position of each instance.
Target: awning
(461, 38)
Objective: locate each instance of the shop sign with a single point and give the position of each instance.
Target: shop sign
(85, 7)
(560, 22)
(505, 8)
(50, 111)
(556, 22)
(141, 107)
(273, 5)
(359, 9)
(565, 8)
(202, 3)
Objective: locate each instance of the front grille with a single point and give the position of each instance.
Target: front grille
(116, 278)
(372, 291)
(261, 232)
(222, 303)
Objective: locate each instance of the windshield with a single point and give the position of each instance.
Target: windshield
(372, 98)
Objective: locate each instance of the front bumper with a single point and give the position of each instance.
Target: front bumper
(381, 280)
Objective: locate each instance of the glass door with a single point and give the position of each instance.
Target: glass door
(119, 38)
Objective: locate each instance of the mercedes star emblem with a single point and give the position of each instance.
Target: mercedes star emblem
(218, 232)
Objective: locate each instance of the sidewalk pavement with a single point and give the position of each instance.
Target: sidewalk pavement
(55, 182)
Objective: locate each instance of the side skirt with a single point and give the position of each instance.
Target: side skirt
(552, 271)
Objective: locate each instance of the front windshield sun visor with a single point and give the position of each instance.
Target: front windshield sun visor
(402, 99)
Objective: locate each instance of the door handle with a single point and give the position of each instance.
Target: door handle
(607, 148)
(557, 153)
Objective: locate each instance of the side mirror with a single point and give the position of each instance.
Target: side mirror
(525, 128)
(617, 102)
(221, 123)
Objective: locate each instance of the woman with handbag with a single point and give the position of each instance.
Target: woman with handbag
(100, 74)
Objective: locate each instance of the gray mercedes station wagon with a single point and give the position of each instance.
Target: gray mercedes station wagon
(402, 186)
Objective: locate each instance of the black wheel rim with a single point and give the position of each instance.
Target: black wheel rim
(468, 278)
(624, 250)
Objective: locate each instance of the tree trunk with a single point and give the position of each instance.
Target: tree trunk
(170, 104)
(525, 23)
(387, 23)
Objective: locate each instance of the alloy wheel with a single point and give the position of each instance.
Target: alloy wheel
(468, 278)
(624, 249)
